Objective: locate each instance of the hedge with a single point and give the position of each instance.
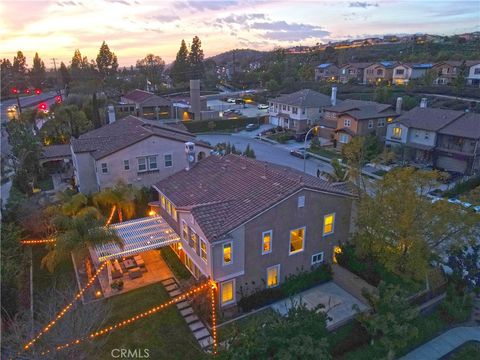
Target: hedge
(174, 263)
(293, 285)
(219, 124)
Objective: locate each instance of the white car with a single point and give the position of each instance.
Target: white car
(231, 100)
(466, 204)
(476, 209)
(262, 106)
(454, 201)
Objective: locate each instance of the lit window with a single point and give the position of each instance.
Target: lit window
(389, 119)
(227, 294)
(174, 213)
(370, 124)
(142, 164)
(193, 240)
(397, 133)
(168, 160)
(163, 201)
(297, 240)
(126, 164)
(185, 231)
(203, 250)
(227, 253)
(301, 201)
(273, 276)
(317, 258)
(266, 242)
(169, 207)
(152, 162)
(104, 168)
(328, 224)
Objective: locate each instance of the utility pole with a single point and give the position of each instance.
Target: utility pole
(57, 89)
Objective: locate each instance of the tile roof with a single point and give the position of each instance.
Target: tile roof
(304, 98)
(56, 151)
(358, 65)
(428, 118)
(125, 132)
(146, 98)
(467, 126)
(455, 63)
(223, 192)
(360, 109)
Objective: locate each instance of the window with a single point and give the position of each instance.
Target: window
(301, 201)
(317, 258)
(203, 250)
(297, 240)
(303, 111)
(397, 133)
(347, 122)
(168, 160)
(273, 274)
(193, 240)
(163, 201)
(379, 72)
(343, 138)
(328, 224)
(267, 242)
(174, 213)
(427, 135)
(185, 231)
(417, 133)
(381, 123)
(288, 107)
(370, 124)
(294, 110)
(227, 253)
(399, 71)
(142, 164)
(152, 162)
(284, 107)
(227, 292)
(169, 207)
(104, 168)
(126, 164)
(476, 71)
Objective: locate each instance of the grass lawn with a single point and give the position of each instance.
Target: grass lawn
(467, 351)
(325, 153)
(165, 333)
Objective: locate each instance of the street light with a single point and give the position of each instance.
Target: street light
(305, 147)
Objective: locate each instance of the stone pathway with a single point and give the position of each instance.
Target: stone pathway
(198, 328)
(444, 343)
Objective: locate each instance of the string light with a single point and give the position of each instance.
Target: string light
(36, 242)
(65, 310)
(132, 319)
(213, 287)
(114, 207)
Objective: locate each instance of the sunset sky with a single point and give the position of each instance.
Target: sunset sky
(133, 28)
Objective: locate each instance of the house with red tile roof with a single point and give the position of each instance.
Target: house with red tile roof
(249, 224)
(146, 105)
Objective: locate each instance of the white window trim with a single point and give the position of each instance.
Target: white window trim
(278, 275)
(303, 243)
(302, 202)
(144, 158)
(370, 124)
(206, 253)
(165, 161)
(156, 162)
(318, 261)
(234, 297)
(126, 162)
(271, 241)
(333, 225)
(106, 168)
(231, 253)
(347, 122)
(184, 225)
(191, 232)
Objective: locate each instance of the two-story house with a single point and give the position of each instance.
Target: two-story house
(458, 145)
(473, 78)
(326, 72)
(352, 72)
(357, 117)
(299, 110)
(140, 152)
(248, 224)
(417, 131)
(403, 73)
(146, 105)
(379, 72)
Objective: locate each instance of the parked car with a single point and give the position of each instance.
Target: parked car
(251, 127)
(262, 106)
(466, 204)
(239, 101)
(300, 153)
(231, 100)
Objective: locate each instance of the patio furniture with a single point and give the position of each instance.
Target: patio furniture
(134, 273)
(138, 259)
(129, 264)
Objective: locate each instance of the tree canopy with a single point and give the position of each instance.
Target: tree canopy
(180, 68)
(195, 59)
(107, 62)
(37, 74)
(151, 66)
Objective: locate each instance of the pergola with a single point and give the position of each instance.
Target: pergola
(138, 235)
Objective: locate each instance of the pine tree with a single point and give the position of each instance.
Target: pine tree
(19, 69)
(180, 67)
(77, 60)
(107, 62)
(65, 74)
(37, 74)
(6, 74)
(195, 59)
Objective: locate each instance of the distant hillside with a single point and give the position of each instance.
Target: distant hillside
(241, 56)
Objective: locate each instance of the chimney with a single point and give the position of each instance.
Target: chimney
(190, 154)
(398, 107)
(111, 114)
(195, 104)
(423, 103)
(334, 96)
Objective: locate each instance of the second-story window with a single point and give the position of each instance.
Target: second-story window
(397, 133)
(370, 124)
(193, 240)
(185, 231)
(104, 168)
(301, 201)
(203, 250)
(168, 160)
(303, 111)
(126, 164)
(142, 164)
(328, 224)
(174, 213)
(284, 107)
(347, 122)
(381, 123)
(163, 201)
(297, 240)
(294, 110)
(152, 162)
(169, 207)
(227, 253)
(267, 242)
(427, 135)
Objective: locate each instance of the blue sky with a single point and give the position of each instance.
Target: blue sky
(133, 28)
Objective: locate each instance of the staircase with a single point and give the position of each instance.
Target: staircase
(197, 327)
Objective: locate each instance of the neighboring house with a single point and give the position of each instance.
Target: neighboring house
(326, 72)
(299, 110)
(403, 73)
(473, 78)
(379, 72)
(140, 152)
(448, 71)
(352, 72)
(357, 117)
(458, 145)
(146, 105)
(248, 224)
(417, 131)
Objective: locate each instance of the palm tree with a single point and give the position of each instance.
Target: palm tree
(76, 205)
(121, 196)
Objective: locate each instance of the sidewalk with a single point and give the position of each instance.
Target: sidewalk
(444, 343)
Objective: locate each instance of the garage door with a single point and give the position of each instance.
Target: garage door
(452, 164)
(274, 120)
